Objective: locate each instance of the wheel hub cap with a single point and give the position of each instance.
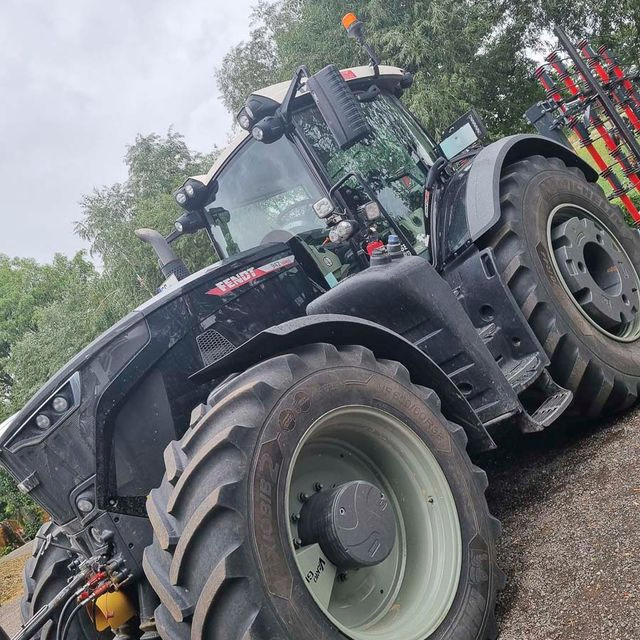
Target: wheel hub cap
(353, 524)
(388, 567)
(597, 272)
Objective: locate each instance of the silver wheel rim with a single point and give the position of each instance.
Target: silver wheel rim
(408, 595)
(626, 332)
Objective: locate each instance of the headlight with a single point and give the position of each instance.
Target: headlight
(268, 130)
(49, 414)
(60, 404)
(84, 504)
(345, 229)
(342, 231)
(43, 422)
(371, 211)
(192, 195)
(323, 208)
(244, 119)
(255, 108)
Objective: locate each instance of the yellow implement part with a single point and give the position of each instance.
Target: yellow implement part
(112, 610)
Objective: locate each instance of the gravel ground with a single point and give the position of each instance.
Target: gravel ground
(569, 502)
(11, 587)
(11, 572)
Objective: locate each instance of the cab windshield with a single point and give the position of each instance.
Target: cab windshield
(265, 188)
(266, 194)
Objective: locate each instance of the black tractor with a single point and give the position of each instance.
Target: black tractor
(277, 447)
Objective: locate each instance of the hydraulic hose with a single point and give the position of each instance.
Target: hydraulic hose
(72, 615)
(63, 613)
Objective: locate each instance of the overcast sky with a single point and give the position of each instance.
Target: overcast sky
(79, 79)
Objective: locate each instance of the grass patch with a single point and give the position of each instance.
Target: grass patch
(601, 148)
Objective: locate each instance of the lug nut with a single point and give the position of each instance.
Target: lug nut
(303, 497)
(297, 543)
(342, 577)
(318, 486)
(295, 517)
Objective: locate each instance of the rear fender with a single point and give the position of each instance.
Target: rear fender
(482, 197)
(344, 330)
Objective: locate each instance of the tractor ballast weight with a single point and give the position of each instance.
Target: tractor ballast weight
(378, 310)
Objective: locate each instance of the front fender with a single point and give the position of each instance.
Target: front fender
(344, 330)
(482, 197)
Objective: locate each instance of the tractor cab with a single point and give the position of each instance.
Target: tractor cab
(332, 161)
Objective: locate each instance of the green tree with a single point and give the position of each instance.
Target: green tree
(477, 53)
(26, 290)
(110, 215)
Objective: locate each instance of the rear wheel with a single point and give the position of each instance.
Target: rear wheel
(572, 264)
(322, 494)
(45, 574)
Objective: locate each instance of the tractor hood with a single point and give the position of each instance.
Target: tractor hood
(112, 338)
(124, 397)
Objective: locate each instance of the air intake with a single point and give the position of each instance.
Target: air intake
(213, 346)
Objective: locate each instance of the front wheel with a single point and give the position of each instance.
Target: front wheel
(322, 495)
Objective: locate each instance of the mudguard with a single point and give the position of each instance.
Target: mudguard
(482, 196)
(343, 330)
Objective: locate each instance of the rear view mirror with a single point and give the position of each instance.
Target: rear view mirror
(464, 132)
(338, 106)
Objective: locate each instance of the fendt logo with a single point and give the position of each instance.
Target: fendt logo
(251, 274)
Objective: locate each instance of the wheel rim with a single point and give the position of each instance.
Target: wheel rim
(595, 271)
(408, 595)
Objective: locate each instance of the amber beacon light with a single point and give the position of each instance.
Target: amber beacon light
(348, 20)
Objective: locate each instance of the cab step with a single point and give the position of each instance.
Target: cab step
(556, 402)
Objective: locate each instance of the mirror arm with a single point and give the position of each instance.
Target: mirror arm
(434, 173)
(285, 108)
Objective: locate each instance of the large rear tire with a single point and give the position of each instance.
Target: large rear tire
(228, 559)
(45, 574)
(572, 264)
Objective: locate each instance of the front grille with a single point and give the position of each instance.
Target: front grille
(213, 345)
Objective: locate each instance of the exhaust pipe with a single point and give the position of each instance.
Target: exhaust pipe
(170, 264)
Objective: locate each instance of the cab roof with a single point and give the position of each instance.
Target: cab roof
(277, 92)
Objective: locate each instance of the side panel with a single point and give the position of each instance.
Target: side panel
(52, 463)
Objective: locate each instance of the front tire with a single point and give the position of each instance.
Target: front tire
(572, 264)
(227, 560)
